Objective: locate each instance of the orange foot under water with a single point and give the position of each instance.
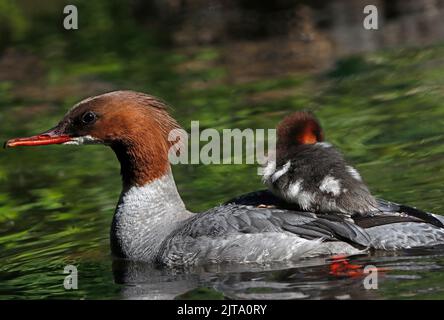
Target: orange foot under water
(341, 267)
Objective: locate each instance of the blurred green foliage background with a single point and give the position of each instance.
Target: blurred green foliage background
(383, 108)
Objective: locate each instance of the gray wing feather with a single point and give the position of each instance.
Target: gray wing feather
(247, 233)
(405, 235)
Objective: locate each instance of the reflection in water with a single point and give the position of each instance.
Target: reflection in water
(143, 281)
(309, 279)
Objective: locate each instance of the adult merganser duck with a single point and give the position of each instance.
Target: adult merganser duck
(152, 224)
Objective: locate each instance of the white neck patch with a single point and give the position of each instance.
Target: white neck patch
(146, 215)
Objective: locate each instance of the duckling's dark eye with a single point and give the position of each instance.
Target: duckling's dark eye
(89, 117)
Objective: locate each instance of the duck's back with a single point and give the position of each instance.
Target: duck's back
(248, 234)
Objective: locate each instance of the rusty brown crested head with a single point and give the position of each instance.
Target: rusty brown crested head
(135, 125)
(299, 128)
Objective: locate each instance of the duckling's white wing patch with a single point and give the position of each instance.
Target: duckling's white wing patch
(269, 169)
(294, 189)
(330, 185)
(323, 144)
(281, 171)
(354, 173)
(295, 193)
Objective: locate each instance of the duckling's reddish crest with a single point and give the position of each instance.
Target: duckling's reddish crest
(299, 128)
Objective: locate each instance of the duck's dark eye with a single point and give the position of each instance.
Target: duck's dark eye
(89, 117)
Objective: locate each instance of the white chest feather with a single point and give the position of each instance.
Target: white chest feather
(146, 215)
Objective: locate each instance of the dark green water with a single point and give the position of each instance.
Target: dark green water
(385, 111)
